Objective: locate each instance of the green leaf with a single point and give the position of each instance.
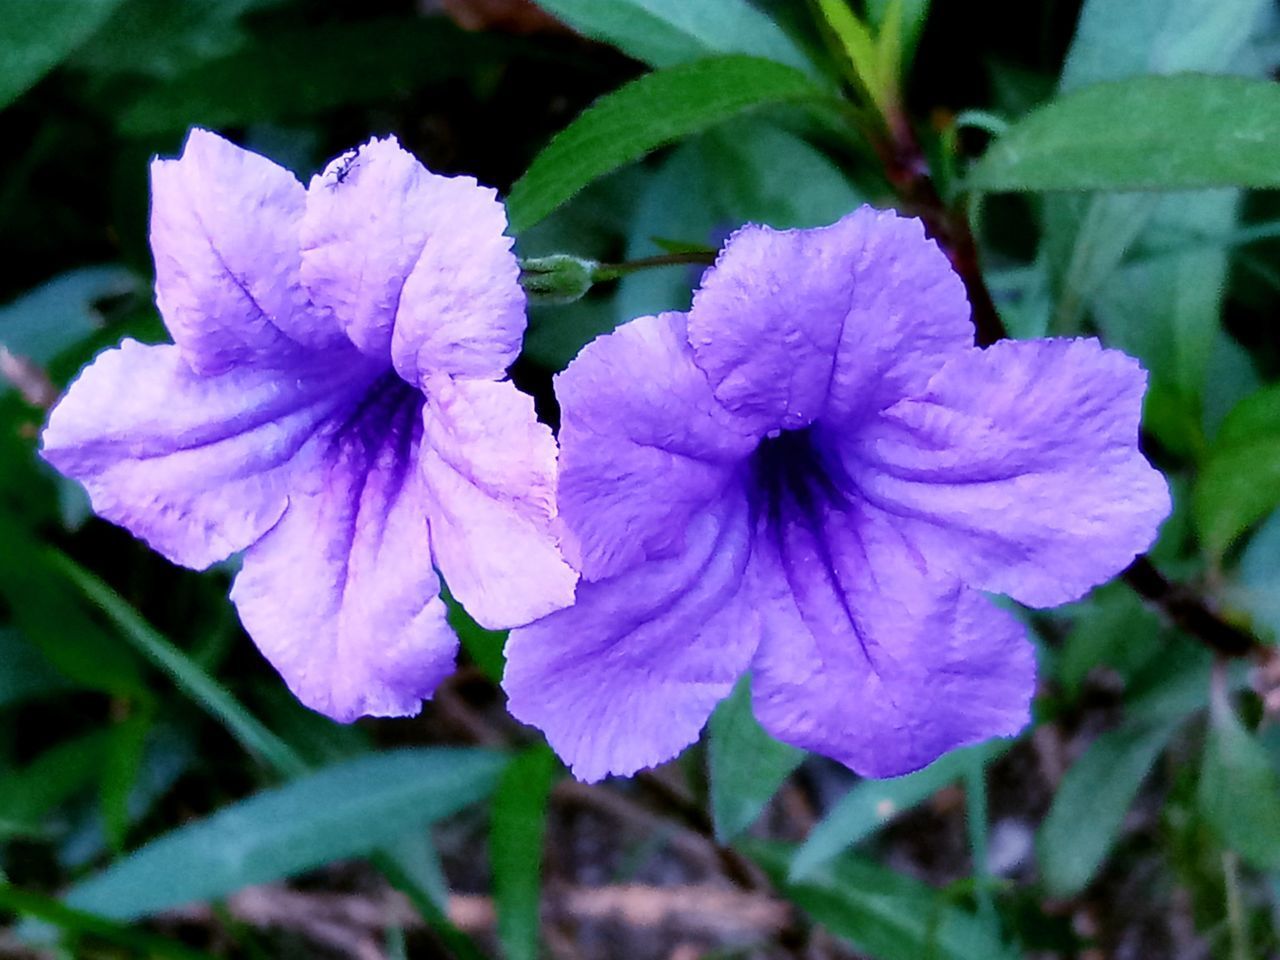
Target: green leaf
(1165, 309)
(517, 830)
(48, 612)
(746, 764)
(44, 322)
(650, 112)
(184, 672)
(664, 33)
(342, 811)
(25, 673)
(1091, 803)
(121, 768)
(1145, 133)
(40, 34)
(163, 39)
(882, 913)
(304, 71)
(81, 924)
(484, 647)
(1118, 38)
(1239, 483)
(29, 794)
(870, 804)
(1239, 791)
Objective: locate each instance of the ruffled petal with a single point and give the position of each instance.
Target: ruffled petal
(795, 325)
(626, 677)
(645, 446)
(490, 472)
(1018, 468)
(197, 466)
(870, 657)
(414, 264)
(224, 232)
(340, 596)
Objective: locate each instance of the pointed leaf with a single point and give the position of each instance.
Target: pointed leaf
(650, 112)
(1144, 133)
(518, 827)
(747, 765)
(345, 810)
(664, 33)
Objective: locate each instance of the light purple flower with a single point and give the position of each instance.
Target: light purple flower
(334, 406)
(810, 476)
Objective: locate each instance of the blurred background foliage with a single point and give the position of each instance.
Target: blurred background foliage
(162, 795)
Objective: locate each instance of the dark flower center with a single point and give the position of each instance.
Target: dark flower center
(387, 416)
(792, 473)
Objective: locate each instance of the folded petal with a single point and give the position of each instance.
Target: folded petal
(794, 325)
(224, 232)
(626, 677)
(197, 466)
(645, 446)
(869, 656)
(414, 264)
(490, 472)
(1018, 468)
(340, 596)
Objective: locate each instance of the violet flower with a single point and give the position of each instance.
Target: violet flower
(334, 406)
(810, 476)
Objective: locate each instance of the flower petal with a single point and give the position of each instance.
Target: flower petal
(490, 471)
(224, 232)
(340, 595)
(416, 265)
(644, 445)
(627, 677)
(1018, 468)
(868, 656)
(196, 466)
(835, 322)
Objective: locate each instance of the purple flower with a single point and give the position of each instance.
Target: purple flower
(810, 476)
(334, 406)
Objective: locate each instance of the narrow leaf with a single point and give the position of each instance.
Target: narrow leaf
(1144, 133)
(746, 764)
(40, 34)
(882, 913)
(1240, 482)
(871, 804)
(664, 33)
(1239, 791)
(188, 675)
(78, 922)
(516, 834)
(1092, 800)
(650, 112)
(345, 810)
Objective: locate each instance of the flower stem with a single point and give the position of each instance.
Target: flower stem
(613, 271)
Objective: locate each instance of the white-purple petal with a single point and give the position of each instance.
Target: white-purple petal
(641, 455)
(340, 595)
(198, 466)
(415, 265)
(224, 233)
(490, 473)
(627, 677)
(793, 325)
(1018, 469)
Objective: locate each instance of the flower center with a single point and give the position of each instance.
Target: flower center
(792, 472)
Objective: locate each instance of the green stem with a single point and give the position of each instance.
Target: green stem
(613, 271)
(1236, 921)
